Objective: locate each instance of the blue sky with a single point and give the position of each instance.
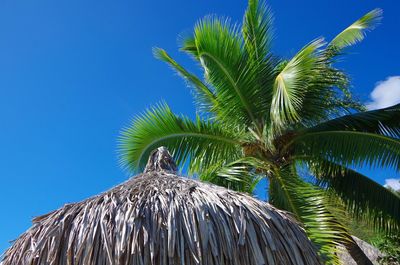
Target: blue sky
(73, 73)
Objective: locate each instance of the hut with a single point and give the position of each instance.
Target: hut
(158, 217)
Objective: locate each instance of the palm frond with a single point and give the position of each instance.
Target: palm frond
(327, 94)
(384, 121)
(307, 202)
(220, 52)
(257, 30)
(356, 31)
(364, 198)
(239, 84)
(201, 143)
(238, 175)
(188, 45)
(205, 98)
(349, 148)
(291, 84)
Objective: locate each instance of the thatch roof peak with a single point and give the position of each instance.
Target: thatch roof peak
(160, 218)
(160, 160)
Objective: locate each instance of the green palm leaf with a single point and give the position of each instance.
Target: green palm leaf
(239, 175)
(369, 201)
(205, 97)
(257, 30)
(288, 191)
(220, 51)
(186, 139)
(349, 148)
(382, 121)
(356, 31)
(239, 84)
(327, 95)
(292, 83)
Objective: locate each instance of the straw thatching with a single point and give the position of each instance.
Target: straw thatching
(160, 218)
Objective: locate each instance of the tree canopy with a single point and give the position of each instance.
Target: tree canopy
(290, 120)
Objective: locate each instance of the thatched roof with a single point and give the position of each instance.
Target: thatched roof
(160, 218)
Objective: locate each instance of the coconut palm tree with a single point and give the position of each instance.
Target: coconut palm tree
(292, 121)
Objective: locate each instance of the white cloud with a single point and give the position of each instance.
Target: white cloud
(392, 183)
(386, 93)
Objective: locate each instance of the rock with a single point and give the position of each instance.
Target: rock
(372, 253)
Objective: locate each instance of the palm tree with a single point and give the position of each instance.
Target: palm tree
(292, 121)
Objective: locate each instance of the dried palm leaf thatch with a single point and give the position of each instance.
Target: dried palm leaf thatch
(160, 218)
